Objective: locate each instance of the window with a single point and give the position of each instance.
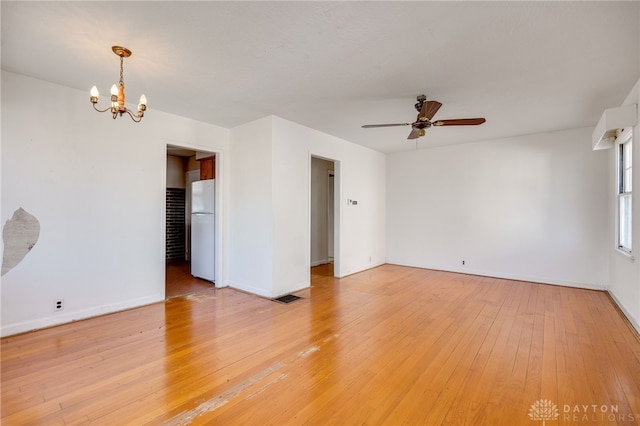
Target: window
(625, 167)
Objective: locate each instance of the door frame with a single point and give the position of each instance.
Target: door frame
(337, 213)
(219, 220)
(331, 214)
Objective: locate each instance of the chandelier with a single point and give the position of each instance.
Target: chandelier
(117, 93)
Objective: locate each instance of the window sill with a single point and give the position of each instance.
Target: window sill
(626, 254)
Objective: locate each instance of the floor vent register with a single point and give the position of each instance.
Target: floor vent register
(287, 298)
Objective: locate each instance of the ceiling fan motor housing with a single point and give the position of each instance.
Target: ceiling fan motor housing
(421, 124)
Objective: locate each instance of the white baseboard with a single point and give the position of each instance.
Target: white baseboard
(293, 289)
(250, 289)
(65, 317)
(266, 294)
(507, 276)
(626, 313)
(357, 270)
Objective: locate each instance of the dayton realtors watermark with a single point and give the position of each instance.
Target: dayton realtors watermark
(545, 410)
(596, 413)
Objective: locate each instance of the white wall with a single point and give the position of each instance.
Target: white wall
(251, 213)
(360, 175)
(97, 186)
(270, 219)
(530, 208)
(624, 279)
(291, 198)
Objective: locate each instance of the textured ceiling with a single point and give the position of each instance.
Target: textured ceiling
(527, 67)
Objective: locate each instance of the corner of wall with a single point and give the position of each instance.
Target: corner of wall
(635, 323)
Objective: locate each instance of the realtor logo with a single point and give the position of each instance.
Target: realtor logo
(543, 409)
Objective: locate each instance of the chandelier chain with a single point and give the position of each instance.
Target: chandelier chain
(121, 74)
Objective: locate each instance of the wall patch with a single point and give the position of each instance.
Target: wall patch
(20, 234)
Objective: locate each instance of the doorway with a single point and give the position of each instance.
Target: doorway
(184, 166)
(323, 214)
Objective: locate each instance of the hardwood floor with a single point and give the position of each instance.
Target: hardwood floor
(392, 345)
(180, 282)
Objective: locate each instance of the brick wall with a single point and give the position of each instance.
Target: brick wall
(175, 224)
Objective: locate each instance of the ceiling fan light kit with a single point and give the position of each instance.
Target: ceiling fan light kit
(117, 93)
(426, 111)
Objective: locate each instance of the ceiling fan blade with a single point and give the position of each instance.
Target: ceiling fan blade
(459, 122)
(369, 126)
(428, 110)
(415, 134)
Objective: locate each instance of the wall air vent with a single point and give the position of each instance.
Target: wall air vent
(613, 119)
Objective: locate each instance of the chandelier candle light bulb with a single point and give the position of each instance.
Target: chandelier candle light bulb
(142, 103)
(117, 93)
(114, 100)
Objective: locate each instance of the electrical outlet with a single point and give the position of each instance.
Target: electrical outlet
(58, 305)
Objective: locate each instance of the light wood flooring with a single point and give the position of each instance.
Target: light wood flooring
(180, 282)
(392, 345)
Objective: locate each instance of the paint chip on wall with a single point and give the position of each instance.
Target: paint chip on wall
(20, 234)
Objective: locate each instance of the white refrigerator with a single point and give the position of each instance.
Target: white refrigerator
(203, 229)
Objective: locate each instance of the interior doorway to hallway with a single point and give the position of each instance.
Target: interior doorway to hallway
(323, 213)
(184, 166)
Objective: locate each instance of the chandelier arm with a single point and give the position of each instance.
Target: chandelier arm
(100, 110)
(128, 111)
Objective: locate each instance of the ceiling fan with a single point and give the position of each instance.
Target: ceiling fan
(426, 111)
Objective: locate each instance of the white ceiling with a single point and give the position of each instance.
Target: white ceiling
(527, 67)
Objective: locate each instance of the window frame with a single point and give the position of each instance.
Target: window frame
(624, 191)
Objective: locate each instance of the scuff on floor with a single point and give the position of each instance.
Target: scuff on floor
(186, 417)
(219, 400)
(199, 297)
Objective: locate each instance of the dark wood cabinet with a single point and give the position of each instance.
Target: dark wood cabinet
(207, 168)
